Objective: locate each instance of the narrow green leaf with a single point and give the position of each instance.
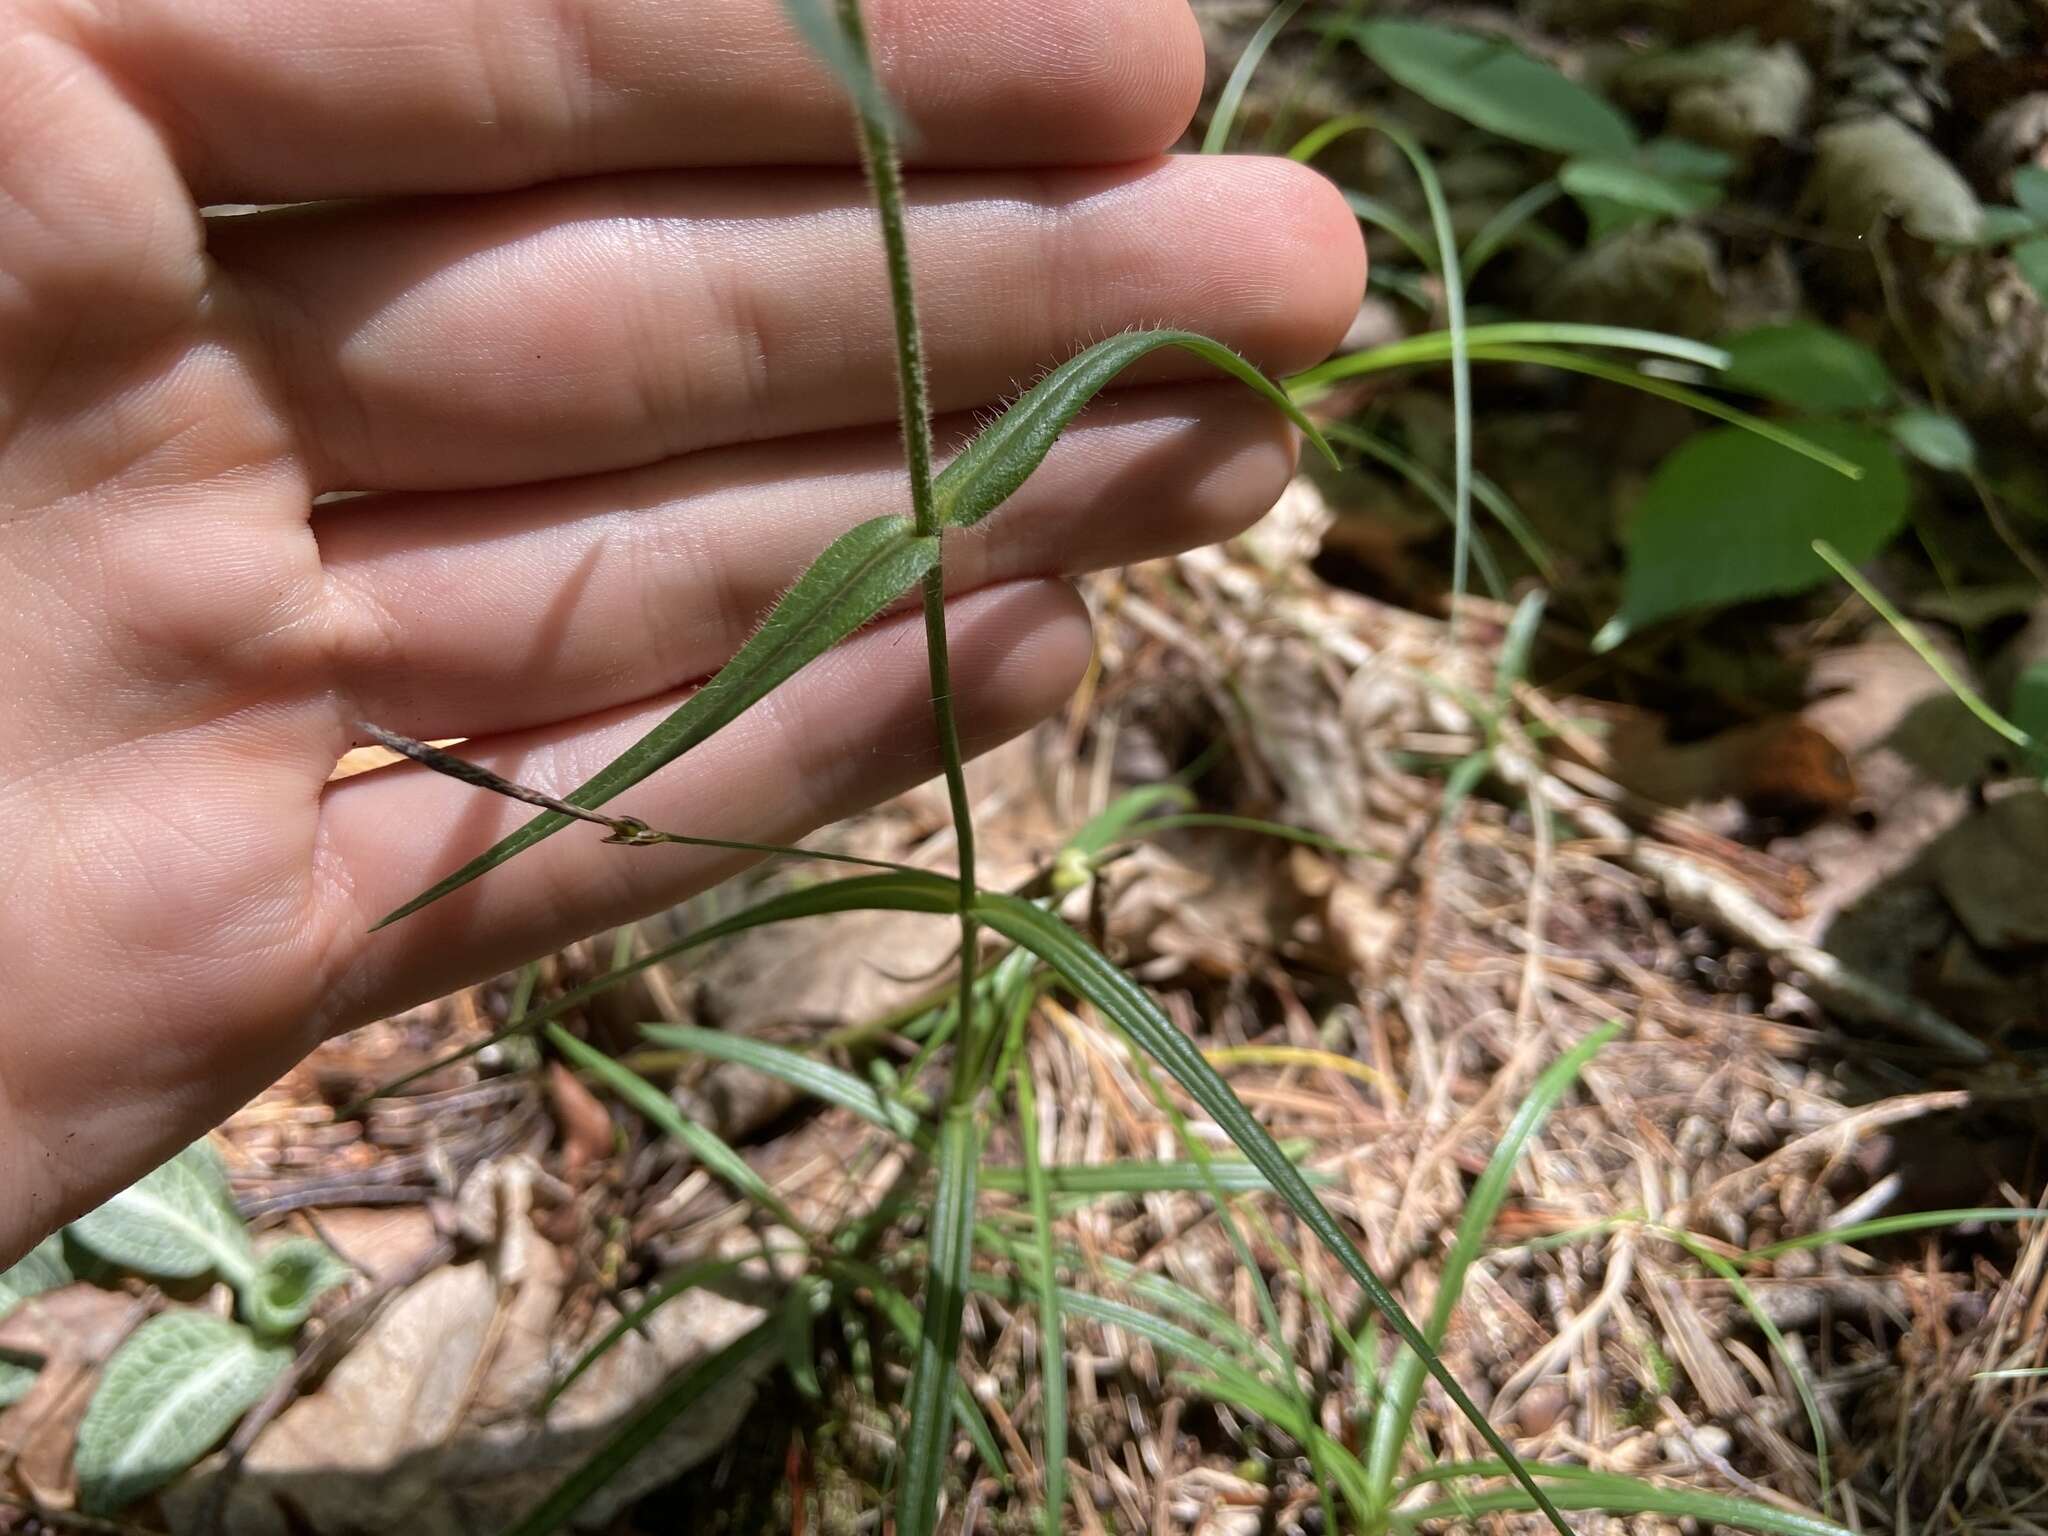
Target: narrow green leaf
(1052, 1354)
(1800, 443)
(904, 1322)
(859, 576)
(1517, 647)
(938, 1347)
(657, 1108)
(1494, 85)
(1808, 366)
(1578, 1488)
(907, 892)
(1794, 1368)
(1924, 648)
(1728, 519)
(1507, 227)
(1394, 1419)
(1377, 213)
(1008, 451)
(1109, 825)
(175, 1223)
(1200, 821)
(798, 1317)
(1126, 1004)
(808, 1075)
(1094, 1180)
(1938, 441)
(817, 25)
(172, 1389)
(1436, 347)
(689, 1278)
(290, 1277)
(1232, 98)
(1485, 491)
(645, 1427)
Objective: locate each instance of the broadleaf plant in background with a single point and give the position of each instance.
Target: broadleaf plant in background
(183, 1379)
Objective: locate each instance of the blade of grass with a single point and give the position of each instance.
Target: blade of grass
(1426, 481)
(1495, 235)
(1240, 80)
(656, 1107)
(1914, 636)
(644, 1427)
(1794, 1368)
(1435, 347)
(1124, 1003)
(1678, 394)
(820, 1080)
(1488, 494)
(1576, 1488)
(1885, 1226)
(1379, 214)
(689, 1278)
(910, 892)
(1052, 1353)
(938, 1348)
(1394, 1421)
(1197, 821)
(861, 574)
(1448, 266)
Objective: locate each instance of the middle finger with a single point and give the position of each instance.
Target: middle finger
(599, 325)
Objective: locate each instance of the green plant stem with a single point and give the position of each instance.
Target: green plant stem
(885, 170)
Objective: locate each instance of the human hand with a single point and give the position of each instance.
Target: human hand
(602, 325)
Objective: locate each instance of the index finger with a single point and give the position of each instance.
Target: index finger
(288, 100)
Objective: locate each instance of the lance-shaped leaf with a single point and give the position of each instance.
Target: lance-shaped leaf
(870, 568)
(1126, 1005)
(860, 575)
(938, 1345)
(1006, 454)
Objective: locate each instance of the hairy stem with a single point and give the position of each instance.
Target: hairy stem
(885, 170)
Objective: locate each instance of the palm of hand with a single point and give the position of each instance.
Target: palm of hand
(605, 419)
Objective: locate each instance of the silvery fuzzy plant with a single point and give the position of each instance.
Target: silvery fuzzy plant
(855, 580)
(180, 1381)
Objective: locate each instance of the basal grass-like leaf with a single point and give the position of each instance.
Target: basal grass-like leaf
(1394, 1418)
(689, 1278)
(1886, 1226)
(700, 1141)
(1126, 1004)
(1225, 117)
(645, 1427)
(990, 470)
(906, 892)
(951, 1249)
(808, 1075)
(1052, 1351)
(1577, 1488)
(861, 574)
